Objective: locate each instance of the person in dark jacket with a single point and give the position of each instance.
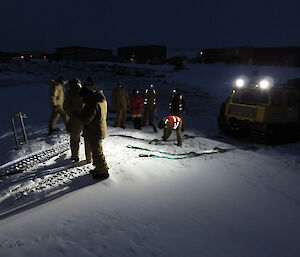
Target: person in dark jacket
(177, 105)
(150, 106)
(136, 108)
(169, 124)
(89, 82)
(93, 115)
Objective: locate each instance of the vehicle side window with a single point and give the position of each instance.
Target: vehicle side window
(276, 98)
(291, 99)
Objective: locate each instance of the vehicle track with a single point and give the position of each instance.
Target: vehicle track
(32, 161)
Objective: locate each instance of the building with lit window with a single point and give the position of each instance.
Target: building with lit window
(77, 53)
(151, 54)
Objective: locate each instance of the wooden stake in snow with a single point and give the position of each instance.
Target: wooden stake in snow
(15, 133)
(23, 116)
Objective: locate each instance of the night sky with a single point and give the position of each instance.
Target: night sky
(45, 25)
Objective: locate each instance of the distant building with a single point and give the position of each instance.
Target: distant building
(215, 55)
(5, 57)
(271, 56)
(177, 62)
(33, 54)
(77, 53)
(277, 56)
(151, 54)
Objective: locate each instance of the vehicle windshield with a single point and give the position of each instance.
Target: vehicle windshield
(252, 96)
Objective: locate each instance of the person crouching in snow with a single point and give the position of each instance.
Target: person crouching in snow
(136, 103)
(171, 123)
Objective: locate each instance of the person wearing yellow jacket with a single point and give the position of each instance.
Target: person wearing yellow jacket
(57, 93)
(119, 102)
(74, 103)
(93, 116)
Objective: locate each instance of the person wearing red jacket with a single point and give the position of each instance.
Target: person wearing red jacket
(136, 102)
(169, 124)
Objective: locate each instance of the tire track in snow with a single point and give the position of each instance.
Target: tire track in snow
(32, 161)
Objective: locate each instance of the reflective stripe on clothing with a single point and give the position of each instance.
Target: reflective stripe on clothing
(136, 115)
(174, 120)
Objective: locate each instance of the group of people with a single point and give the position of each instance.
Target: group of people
(143, 109)
(137, 104)
(143, 106)
(83, 109)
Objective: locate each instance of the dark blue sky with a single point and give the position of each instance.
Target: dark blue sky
(43, 24)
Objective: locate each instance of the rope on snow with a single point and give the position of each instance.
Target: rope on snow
(182, 155)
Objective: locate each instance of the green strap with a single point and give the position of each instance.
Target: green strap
(145, 149)
(180, 155)
(121, 135)
(155, 141)
(165, 157)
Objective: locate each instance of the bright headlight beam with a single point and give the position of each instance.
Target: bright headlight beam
(264, 84)
(240, 83)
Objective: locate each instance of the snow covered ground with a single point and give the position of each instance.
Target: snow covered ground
(238, 203)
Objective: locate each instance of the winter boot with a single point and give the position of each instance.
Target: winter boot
(100, 176)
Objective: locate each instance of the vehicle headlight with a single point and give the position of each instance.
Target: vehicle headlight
(264, 84)
(240, 83)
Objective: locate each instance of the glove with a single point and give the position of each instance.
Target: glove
(55, 108)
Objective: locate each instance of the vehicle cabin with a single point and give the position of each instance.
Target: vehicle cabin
(261, 110)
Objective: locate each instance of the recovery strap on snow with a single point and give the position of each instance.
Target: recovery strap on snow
(183, 155)
(159, 142)
(155, 141)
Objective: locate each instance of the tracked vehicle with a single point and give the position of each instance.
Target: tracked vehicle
(264, 111)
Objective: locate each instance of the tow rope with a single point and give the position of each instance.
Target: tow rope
(159, 141)
(187, 155)
(155, 141)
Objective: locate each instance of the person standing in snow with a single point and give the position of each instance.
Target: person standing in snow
(150, 105)
(73, 103)
(177, 105)
(119, 102)
(89, 82)
(136, 108)
(57, 93)
(169, 124)
(93, 116)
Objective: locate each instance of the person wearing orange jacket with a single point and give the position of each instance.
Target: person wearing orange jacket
(136, 103)
(169, 124)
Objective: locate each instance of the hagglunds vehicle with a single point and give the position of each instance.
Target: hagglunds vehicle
(267, 112)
